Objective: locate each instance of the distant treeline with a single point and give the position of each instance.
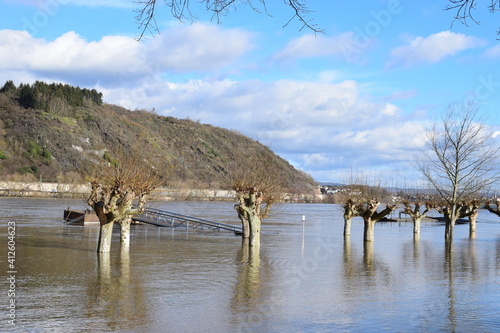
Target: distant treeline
(47, 97)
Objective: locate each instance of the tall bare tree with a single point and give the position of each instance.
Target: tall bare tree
(119, 189)
(184, 10)
(258, 185)
(460, 161)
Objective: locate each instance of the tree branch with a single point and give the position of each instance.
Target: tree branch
(464, 10)
(181, 10)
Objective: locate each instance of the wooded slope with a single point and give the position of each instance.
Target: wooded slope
(55, 132)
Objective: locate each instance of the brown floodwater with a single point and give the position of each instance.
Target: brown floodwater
(305, 278)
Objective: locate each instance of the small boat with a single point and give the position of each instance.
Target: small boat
(80, 217)
(443, 219)
(387, 219)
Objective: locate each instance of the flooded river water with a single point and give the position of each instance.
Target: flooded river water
(306, 277)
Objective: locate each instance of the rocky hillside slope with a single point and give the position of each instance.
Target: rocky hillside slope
(55, 132)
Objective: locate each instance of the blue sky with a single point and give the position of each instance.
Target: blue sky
(354, 98)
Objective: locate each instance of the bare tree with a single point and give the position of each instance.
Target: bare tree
(493, 208)
(118, 191)
(184, 10)
(350, 211)
(461, 160)
(417, 211)
(470, 209)
(258, 186)
(464, 10)
(371, 215)
(363, 201)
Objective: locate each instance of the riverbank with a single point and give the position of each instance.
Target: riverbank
(62, 190)
(66, 190)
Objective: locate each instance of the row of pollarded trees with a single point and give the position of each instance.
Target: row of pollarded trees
(459, 165)
(370, 211)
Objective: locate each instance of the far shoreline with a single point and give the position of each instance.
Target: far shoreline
(9, 189)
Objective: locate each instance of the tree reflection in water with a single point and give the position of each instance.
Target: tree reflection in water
(247, 291)
(113, 295)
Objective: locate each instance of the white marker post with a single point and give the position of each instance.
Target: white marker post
(303, 238)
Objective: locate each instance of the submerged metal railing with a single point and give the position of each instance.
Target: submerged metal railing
(163, 218)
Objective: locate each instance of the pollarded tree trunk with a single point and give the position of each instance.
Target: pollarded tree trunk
(472, 226)
(416, 225)
(349, 212)
(105, 233)
(250, 209)
(371, 216)
(255, 222)
(245, 224)
(106, 223)
(369, 232)
(471, 210)
(125, 231)
(416, 215)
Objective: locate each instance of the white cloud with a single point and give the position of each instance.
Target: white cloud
(433, 48)
(71, 56)
(402, 95)
(329, 76)
(316, 160)
(493, 52)
(309, 46)
(196, 47)
(391, 110)
(315, 125)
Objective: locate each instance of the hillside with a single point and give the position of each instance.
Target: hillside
(55, 132)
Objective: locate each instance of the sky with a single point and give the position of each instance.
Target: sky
(356, 98)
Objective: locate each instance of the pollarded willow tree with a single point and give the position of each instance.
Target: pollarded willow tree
(364, 201)
(258, 185)
(351, 207)
(460, 161)
(470, 209)
(493, 207)
(119, 189)
(370, 214)
(417, 210)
